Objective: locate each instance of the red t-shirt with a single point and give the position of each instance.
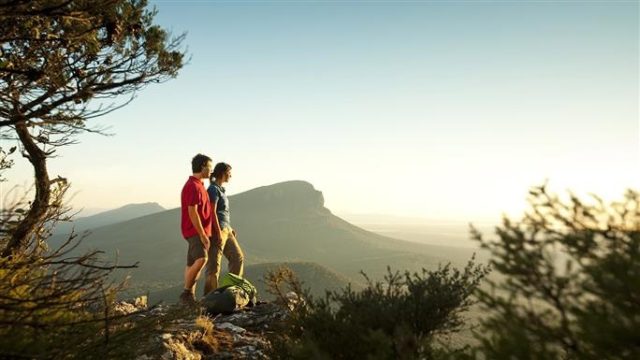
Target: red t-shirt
(194, 193)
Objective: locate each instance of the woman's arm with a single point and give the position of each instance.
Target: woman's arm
(216, 232)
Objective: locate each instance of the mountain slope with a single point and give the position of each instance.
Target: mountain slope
(314, 277)
(276, 223)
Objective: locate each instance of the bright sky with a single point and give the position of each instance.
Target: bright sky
(435, 109)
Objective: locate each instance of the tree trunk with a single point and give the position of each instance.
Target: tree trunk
(33, 219)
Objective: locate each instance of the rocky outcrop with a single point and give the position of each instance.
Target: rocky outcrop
(196, 336)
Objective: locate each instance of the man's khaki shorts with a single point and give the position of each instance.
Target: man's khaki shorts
(196, 250)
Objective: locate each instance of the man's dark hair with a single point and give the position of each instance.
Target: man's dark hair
(219, 170)
(198, 162)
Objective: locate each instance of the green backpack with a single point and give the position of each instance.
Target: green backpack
(230, 279)
(225, 300)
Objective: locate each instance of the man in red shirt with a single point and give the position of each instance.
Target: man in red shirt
(197, 217)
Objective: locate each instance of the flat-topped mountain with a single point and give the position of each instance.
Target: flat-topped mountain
(291, 198)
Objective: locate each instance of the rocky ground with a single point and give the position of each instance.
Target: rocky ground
(195, 336)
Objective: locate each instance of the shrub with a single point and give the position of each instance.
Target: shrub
(399, 318)
(569, 283)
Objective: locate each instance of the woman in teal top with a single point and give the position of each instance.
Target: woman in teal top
(223, 237)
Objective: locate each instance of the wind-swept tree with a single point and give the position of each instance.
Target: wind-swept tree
(64, 62)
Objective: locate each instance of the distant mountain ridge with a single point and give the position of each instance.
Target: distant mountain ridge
(123, 213)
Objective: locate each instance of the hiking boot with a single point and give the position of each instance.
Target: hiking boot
(187, 298)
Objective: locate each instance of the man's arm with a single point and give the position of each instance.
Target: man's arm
(195, 220)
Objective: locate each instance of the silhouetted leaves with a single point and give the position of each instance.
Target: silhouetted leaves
(570, 285)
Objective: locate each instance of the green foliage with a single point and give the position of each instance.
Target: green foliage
(65, 46)
(64, 62)
(57, 305)
(58, 55)
(400, 318)
(570, 285)
(58, 308)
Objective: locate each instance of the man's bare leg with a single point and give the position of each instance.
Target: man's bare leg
(192, 273)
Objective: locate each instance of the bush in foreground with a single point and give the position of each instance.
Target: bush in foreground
(402, 317)
(570, 282)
